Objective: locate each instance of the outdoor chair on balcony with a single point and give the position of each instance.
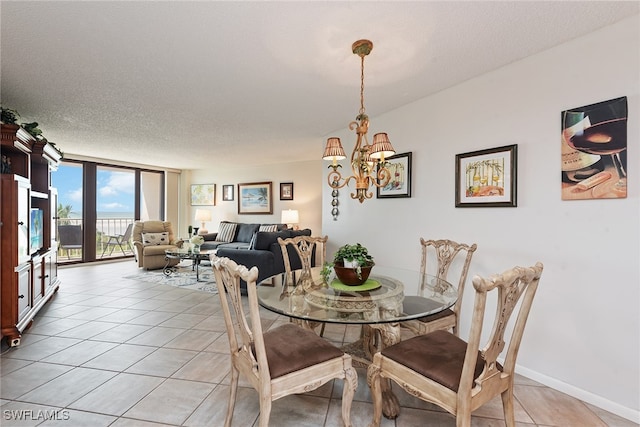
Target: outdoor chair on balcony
(70, 237)
(118, 241)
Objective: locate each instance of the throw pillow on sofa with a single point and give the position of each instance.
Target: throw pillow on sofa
(155, 239)
(264, 239)
(226, 232)
(263, 227)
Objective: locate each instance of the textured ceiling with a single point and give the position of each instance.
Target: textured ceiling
(203, 84)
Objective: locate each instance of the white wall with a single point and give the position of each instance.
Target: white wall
(306, 178)
(583, 333)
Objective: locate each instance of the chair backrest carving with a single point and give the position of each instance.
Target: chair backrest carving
(447, 253)
(311, 250)
(512, 286)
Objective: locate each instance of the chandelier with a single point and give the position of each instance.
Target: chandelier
(367, 160)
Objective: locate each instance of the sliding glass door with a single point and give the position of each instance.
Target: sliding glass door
(115, 210)
(69, 183)
(98, 204)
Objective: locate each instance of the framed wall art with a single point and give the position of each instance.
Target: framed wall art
(227, 193)
(286, 191)
(203, 195)
(594, 151)
(487, 178)
(400, 183)
(255, 198)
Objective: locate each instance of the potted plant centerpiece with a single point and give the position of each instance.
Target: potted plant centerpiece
(352, 264)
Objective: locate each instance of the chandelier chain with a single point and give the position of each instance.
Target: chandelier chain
(362, 84)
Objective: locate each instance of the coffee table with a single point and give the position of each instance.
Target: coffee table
(184, 254)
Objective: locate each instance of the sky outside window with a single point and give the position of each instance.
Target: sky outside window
(68, 180)
(114, 192)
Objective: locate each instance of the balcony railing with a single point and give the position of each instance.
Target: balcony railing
(109, 232)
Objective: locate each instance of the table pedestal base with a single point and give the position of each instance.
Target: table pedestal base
(375, 337)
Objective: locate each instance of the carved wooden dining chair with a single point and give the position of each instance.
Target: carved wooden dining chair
(311, 251)
(442, 254)
(280, 361)
(459, 376)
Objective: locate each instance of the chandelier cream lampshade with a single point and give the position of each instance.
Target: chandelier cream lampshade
(367, 159)
(203, 215)
(291, 218)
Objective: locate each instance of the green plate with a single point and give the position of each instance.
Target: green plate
(369, 285)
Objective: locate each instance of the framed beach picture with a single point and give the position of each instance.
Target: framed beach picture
(487, 178)
(203, 195)
(255, 198)
(400, 183)
(227, 193)
(286, 191)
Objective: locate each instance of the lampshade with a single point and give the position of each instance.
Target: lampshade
(203, 215)
(289, 216)
(334, 150)
(381, 147)
(368, 166)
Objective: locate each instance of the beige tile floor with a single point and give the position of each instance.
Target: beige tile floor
(108, 351)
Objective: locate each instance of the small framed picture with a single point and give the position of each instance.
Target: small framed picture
(286, 191)
(255, 198)
(399, 185)
(227, 193)
(203, 195)
(487, 178)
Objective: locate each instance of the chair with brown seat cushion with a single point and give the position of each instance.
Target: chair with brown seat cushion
(281, 361)
(460, 376)
(441, 255)
(311, 251)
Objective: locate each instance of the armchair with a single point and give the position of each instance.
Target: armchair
(150, 240)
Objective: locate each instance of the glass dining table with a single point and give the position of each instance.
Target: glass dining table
(389, 298)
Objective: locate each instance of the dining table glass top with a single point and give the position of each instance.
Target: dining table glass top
(389, 295)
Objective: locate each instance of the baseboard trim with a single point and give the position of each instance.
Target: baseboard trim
(578, 393)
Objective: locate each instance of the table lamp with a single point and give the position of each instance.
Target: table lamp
(203, 215)
(290, 217)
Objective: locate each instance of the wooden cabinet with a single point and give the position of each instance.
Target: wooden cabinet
(28, 271)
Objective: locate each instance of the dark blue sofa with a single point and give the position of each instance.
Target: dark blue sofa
(265, 253)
